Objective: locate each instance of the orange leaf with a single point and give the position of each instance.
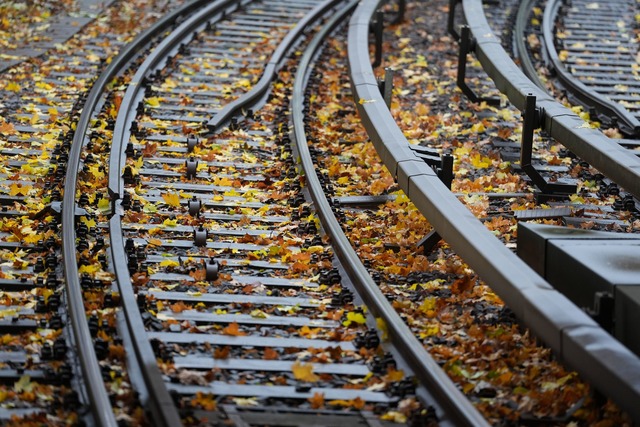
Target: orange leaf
(356, 403)
(270, 354)
(179, 307)
(317, 401)
(304, 372)
(198, 275)
(462, 285)
(233, 329)
(7, 128)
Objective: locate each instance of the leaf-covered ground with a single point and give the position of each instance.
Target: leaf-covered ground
(498, 364)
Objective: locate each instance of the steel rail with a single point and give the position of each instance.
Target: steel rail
(629, 124)
(92, 374)
(160, 405)
(566, 329)
(591, 145)
(127, 112)
(454, 408)
(521, 51)
(261, 88)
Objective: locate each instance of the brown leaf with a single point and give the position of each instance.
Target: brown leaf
(270, 354)
(149, 149)
(221, 352)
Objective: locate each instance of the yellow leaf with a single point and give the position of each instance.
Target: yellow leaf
(354, 318)
(153, 101)
(13, 87)
(304, 372)
(104, 206)
(88, 269)
(171, 199)
(155, 242)
(259, 314)
(382, 327)
(19, 189)
(91, 223)
(96, 172)
(170, 222)
(169, 263)
(23, 384)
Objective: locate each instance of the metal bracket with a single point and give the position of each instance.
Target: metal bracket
(467, 45)
(378, 27)
(532, 120)
(386, 86)
(402, 7)
(444, 168)
(451, 19)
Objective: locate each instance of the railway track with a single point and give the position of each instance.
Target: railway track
(507, 274)
(220, 270)
(203, 276)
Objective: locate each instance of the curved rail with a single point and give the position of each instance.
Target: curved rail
(99, 400)
(567, 330)
(521, 50)
(270, 70)
(610, 158)
(456, 407)
(127, 108)
(160, 406)
(628, 123)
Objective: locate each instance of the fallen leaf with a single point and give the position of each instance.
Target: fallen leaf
(304, 372)
(233, 329)
(171, 199)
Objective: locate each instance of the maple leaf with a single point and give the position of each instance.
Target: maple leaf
(179, 307)
(233, 329)
(304, 372)
(317, 401)
(199, 275)
(153, 101)
(7, 128)
(13, 87)
(169, 263)
(221, 352)
(171, 199)
(205, 401)
(149, 149)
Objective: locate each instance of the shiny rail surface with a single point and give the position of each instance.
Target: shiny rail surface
(572, 334)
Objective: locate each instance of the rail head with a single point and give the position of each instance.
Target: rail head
(567, 330)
